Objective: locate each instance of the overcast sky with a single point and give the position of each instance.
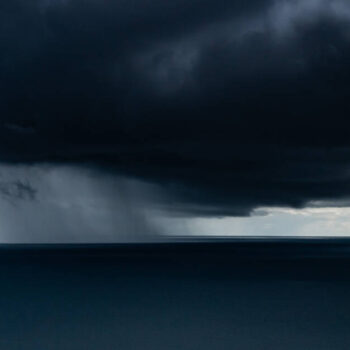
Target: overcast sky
(136, 120)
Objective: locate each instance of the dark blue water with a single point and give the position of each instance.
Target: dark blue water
(258, 295)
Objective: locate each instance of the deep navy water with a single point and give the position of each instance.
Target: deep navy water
(273, 294)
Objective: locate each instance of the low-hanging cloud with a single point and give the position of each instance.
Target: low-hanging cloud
(17, 190)
(224, 106)
(63, 204)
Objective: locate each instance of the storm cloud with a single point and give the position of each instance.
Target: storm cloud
(225, 106)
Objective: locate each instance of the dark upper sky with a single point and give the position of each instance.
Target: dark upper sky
(226, 105)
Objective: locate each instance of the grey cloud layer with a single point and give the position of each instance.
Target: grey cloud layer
(226, 105)
(71, 205)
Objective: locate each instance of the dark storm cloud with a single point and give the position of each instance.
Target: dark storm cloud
(228, 106)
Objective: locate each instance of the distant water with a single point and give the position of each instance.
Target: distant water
(236, 295)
